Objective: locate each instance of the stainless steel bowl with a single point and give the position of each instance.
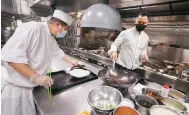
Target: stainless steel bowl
(177, 95)
(161, 108)
(173, 104)
(104, 99)
(144, 103)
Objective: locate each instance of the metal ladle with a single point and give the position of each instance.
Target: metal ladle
(112, 72)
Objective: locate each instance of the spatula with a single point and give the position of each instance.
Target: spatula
(49, 89)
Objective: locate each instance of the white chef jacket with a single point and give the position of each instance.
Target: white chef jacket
(31, 44)
(132, 45)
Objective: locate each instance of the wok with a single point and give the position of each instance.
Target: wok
(120, 78)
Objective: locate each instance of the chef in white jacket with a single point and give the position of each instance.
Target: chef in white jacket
(133, 43)
(26, 59)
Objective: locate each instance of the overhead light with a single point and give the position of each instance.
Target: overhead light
(101, 16)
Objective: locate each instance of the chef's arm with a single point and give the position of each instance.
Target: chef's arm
(144, 56)
(144, 52)
(60, 53)
(118, 41)
(72, 61)
(67, 59)
(24, 69)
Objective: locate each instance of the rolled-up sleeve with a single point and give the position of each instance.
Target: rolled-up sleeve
(15, 50)
(118, 41)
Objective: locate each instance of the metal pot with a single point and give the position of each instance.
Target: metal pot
(177, 95)
(160, 109)
(144, 103)
(173, 104)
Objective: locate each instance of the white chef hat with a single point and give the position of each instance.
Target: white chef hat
(63, 16)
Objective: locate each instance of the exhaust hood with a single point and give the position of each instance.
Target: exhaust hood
(130, 8)
(42, 7)
(101, 16)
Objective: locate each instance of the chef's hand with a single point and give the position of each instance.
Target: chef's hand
(144, 57)
(114, 56)
(76, 62)
(45, 81)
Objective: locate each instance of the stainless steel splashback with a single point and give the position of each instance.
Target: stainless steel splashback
(169, 37)
(176, 55)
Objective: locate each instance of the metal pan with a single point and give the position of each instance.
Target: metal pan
(120, 78)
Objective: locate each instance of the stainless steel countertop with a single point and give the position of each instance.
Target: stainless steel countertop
(73, 100)
(69, 102)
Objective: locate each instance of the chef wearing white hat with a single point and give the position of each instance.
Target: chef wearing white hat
(25, 60)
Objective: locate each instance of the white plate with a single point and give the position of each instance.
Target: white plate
(79, 73)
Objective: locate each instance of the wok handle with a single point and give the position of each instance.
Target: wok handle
(113, 64)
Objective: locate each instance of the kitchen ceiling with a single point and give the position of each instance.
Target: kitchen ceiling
(66, 5)
(127, 8)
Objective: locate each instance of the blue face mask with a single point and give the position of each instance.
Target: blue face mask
(62, 34)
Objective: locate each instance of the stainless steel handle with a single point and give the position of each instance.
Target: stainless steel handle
(113, 64)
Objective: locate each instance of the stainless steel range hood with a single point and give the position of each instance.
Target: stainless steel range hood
(130, 8)
(101, 16)
(42, 7)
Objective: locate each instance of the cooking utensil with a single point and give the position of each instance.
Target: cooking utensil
(144, 103)
(124, 110)
(177, 95)
(173, 104)
(122, 79)
(112, 73)
(113, 64)
(104, 99)
(50, 89)
(162, 110)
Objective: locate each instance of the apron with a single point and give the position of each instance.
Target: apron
(16, 100)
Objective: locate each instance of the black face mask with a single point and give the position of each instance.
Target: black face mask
(140, 27)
